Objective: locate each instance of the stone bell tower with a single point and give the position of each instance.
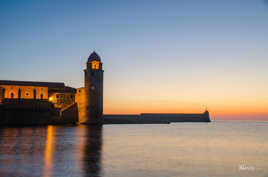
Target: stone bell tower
(93, 90)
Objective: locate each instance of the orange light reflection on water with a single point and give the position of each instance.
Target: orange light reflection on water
(49, 149)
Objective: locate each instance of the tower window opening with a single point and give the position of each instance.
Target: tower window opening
(95, 64)
(12, 95)
(41, 96)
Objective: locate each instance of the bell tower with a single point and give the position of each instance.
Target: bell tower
(93, 90)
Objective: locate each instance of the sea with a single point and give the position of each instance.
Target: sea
(216, 149)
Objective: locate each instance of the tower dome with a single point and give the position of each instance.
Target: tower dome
(93, 56)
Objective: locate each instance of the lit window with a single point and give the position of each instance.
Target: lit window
(95, 64)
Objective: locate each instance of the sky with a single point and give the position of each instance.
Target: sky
(158, 55)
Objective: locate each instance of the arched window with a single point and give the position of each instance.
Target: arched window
(12, 95)
(95, 64)
(19, 93)
(34, 93)
(41, 96)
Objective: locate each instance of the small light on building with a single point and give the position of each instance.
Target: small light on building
(50, 99)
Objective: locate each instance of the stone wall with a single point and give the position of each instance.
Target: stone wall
(69, 115)
(26, 112)
(35, 112)
(80, 99)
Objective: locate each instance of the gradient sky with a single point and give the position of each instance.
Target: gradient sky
(158, 55)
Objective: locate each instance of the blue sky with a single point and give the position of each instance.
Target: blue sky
(179, 52)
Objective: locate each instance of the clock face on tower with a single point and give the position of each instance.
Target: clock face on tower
(92, 87)
(95, 64)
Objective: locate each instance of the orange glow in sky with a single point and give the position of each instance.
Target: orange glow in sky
(223, 103)
(180, 56)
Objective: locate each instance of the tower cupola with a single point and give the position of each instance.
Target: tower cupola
(93, 56)
(94, 62)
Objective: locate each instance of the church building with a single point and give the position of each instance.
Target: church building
(84, 105)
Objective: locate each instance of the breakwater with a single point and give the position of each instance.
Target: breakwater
(155, 118)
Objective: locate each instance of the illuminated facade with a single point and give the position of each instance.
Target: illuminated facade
(23, 92)
(88, 101)
(57, 93)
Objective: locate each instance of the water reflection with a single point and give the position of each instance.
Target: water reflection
(92, 152)
(135, 150)
(20, 151)
(51, 151)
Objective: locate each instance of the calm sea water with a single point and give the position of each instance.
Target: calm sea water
(219, 149)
